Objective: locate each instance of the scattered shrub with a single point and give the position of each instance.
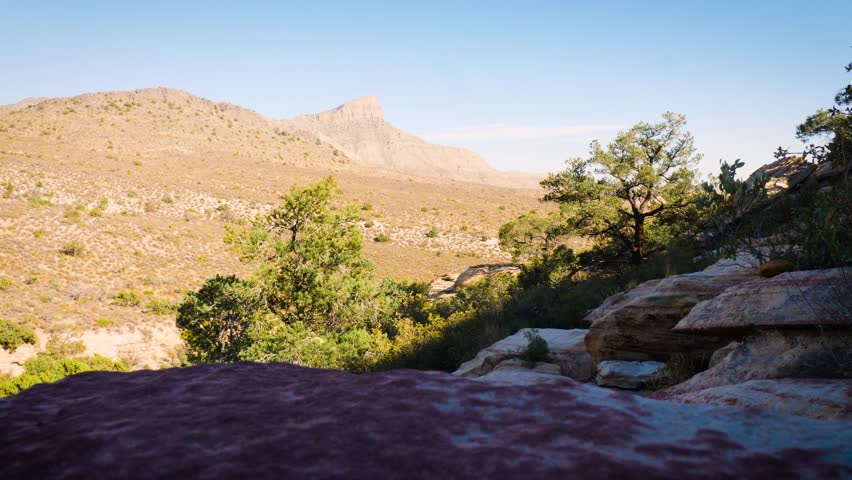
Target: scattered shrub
(127, 298)
(537, 348)
(36, 201)
(382, 238)
(161, 307)
(432, 233)
(5, 284)
(104, 322)
(13, 336)
(98, 211)
(73, 248)
(73, 213)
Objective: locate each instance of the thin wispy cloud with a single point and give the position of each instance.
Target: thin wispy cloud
(506, 131)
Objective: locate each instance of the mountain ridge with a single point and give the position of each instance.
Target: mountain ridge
(358, 127)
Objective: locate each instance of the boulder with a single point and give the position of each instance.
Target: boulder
(782, 175)
(722, 354)
(516, 371)
(827, 171)
(446, 284)
(792, 299)
(827, 399)
(776, 354)
(637, 325)
(276, 421)
(566, 349)
(477, 273)
(620, 299)
(631, 375)
(442, 286)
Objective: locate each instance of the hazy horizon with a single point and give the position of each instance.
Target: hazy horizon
(525, 86)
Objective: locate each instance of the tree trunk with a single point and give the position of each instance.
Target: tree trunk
(638, 239)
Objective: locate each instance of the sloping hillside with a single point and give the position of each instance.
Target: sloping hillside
(146, 182)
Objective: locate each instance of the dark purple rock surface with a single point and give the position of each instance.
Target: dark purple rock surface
(254, 421)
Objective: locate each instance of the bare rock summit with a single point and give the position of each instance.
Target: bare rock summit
(359, 129)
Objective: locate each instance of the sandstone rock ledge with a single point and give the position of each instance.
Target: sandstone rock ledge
(283, 421)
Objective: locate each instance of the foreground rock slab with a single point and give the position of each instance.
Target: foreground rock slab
(283, 421)
(828, 399)
(631, 375)
(566, 348)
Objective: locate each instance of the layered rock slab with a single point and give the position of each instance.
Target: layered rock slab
(566, 348)
(776, 354)
(792, 299)
(283, 421)
(516, 371)
(827, 399)
(637, 324)
(631, 375)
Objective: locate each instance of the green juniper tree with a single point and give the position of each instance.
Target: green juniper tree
(311, 263)
(633, 195)
(312, 283)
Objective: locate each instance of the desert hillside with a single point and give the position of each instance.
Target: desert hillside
(144, 183)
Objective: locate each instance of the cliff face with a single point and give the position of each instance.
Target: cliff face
(359, 129)
(284, 421)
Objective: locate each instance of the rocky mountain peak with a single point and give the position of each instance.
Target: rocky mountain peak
(360, 108)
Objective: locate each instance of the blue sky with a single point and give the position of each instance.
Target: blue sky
(526, 84)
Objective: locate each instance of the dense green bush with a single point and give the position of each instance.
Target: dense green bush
(298, 344)
(13, 336)
(215, 321)
(45, 368)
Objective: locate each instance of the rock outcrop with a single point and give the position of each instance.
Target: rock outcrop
(776, 354)
(637, 325)
(358, 128)
(448, 284)
(792, 299)
(782, 175)
(827, 399)
(793, 325)
(631, 375)
(565, 349)
(477, 273)
(282, 421)
(722, 353)
(516, 371)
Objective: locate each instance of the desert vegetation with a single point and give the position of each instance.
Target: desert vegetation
(296, 282)
(637, 198)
